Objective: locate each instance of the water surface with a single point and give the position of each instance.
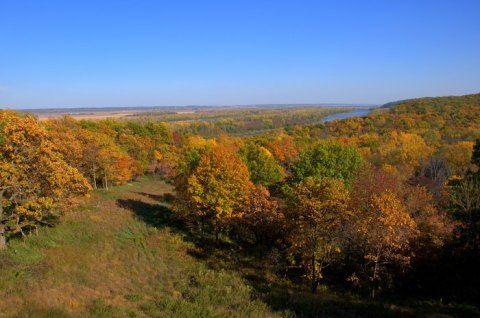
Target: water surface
(353, 113)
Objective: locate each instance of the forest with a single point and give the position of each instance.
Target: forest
(381, 209)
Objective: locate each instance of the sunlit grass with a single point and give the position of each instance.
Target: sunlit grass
(103, 261)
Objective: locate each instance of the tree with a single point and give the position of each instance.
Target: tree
(329, 159)
(406, 150)
(464, 201)
(34, 179)
(464, 197)
(385, 231)
(284, 149)
(263, 216)
(476, 153)
(459, 156)
(194, 149)
(263, 167)
(316, 212)
(219, 187)
(97, 152)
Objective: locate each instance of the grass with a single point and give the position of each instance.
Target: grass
(120, 254)
(105, 260)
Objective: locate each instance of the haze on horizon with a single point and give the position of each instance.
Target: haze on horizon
(59, 54)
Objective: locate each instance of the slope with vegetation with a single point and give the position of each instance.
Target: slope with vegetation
(117, 255)
(381, 211)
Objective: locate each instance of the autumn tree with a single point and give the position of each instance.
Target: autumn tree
(262, 165)
(192, 152)
(406, 150)
(315, 212)
(385, 230)
(458, 155)
(97, 151)
(63, 132)
(34, 179)
(284, 149)
(263, 216)
(219, 187)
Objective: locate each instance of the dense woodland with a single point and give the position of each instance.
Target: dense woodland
(239, 121)
(382, 205)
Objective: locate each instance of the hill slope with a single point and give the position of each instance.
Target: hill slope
(435, 101)
(120, 255)
(102, 260)
(438, 119)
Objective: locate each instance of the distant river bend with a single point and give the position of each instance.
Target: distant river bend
(354, 113)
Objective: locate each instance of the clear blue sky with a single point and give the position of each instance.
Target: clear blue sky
(100, 53)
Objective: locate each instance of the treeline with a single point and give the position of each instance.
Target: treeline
(46, 166)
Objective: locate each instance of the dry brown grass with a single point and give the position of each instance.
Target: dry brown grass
(89, 116)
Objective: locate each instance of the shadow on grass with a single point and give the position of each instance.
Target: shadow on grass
(293, 298)
(156, 215)
(283, 295)
(166, 198)
(252, 262)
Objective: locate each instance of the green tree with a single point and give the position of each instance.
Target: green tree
(329, 159)
(263, 167)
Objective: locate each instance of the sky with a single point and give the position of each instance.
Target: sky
(107, 53)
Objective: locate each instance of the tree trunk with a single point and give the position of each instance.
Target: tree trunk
(374, 279)
(3, 240)
(314, 276)
(314, 271)
(200, 227)
(94, 178)
(106, 180)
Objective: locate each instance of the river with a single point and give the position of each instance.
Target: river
(354, 113)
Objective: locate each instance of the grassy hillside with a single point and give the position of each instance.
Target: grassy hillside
(105, 260)
(120, 255)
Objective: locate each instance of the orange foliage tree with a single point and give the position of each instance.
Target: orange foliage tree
(385, 231)
(263, 216)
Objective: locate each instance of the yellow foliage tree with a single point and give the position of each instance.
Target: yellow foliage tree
(406, 150)
(219, 187)
(35, 180)
(458, 155)
(316, 211)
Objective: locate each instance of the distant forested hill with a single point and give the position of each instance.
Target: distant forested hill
(434, 118)
(437, 101)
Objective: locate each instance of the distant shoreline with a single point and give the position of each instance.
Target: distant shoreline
(119, 112)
